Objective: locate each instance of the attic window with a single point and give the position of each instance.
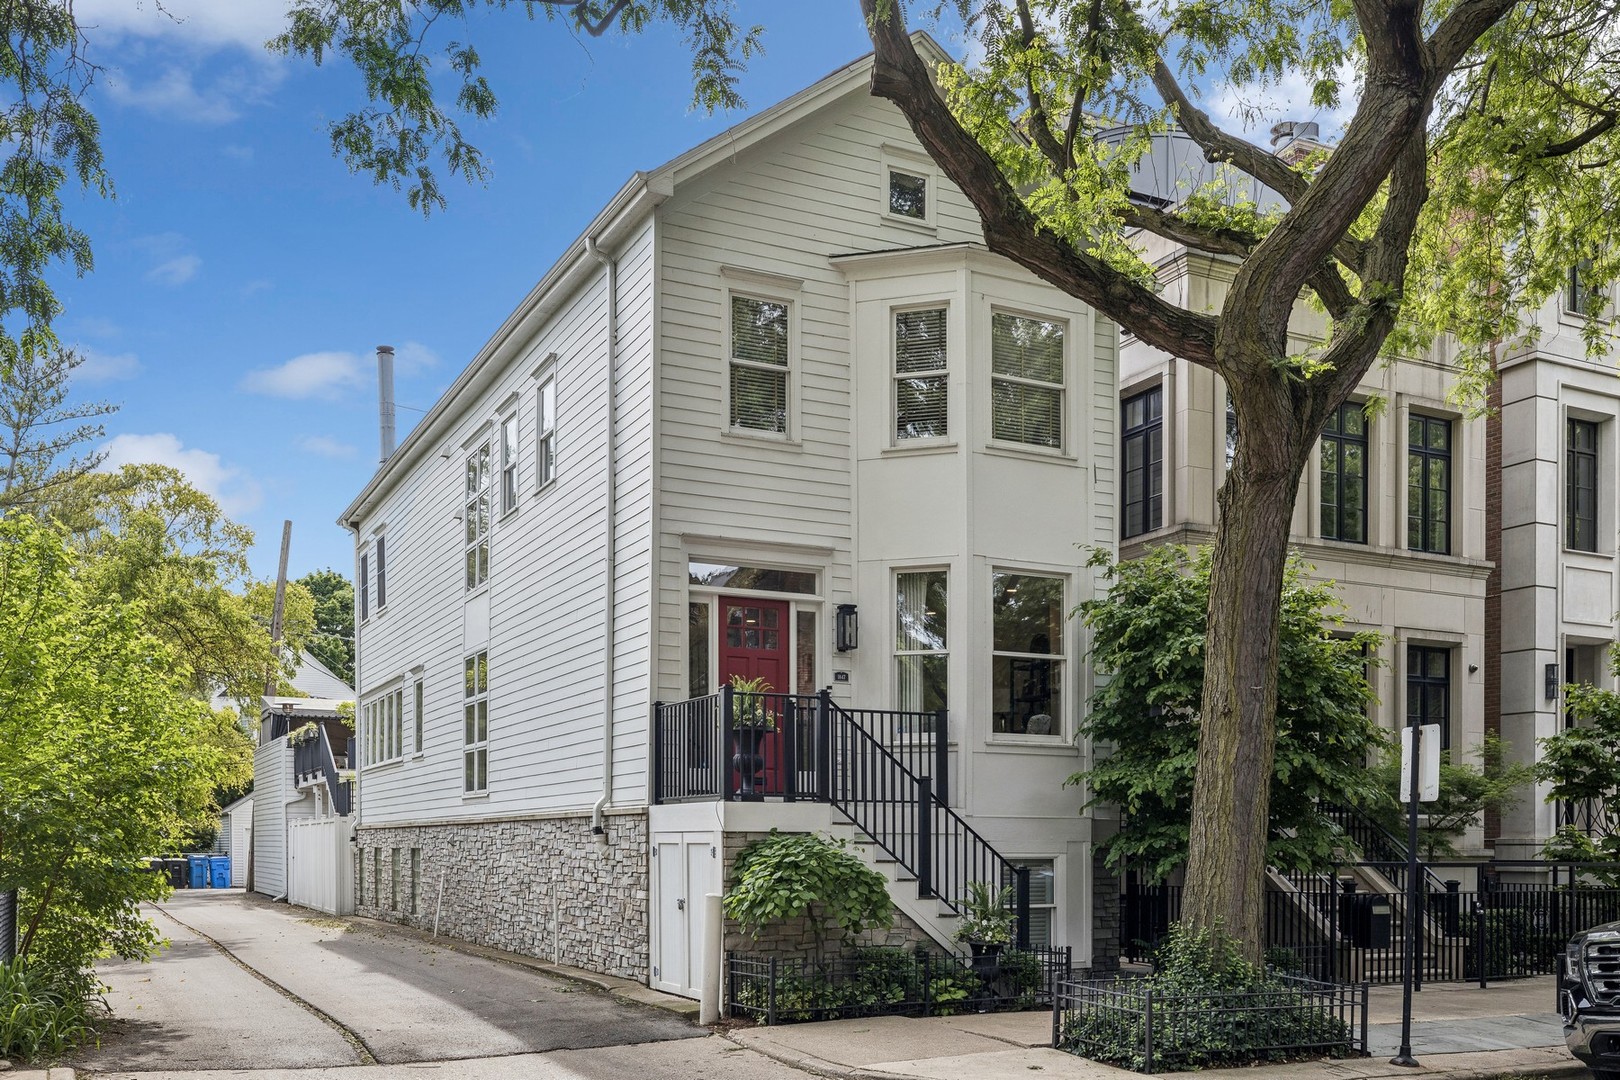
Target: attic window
(908, 195)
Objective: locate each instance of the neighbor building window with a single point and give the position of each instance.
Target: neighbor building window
(920, 395)
(381, 719)
(475, 724)
(475, 517)
(418, 714)
(1428, 484)
(920, 645)
(1042, 898)
(381, 568)
(1344, 475)
(1142, 450)
(759, 364)
(1026, 663)
(545, 443)
(908, 195)
(365, 585)
(1580, 298)
(1428, 689)
(1581, 486)
(509, 463)
(1026, 380)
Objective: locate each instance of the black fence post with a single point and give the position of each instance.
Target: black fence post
(723, 759)
(1333, 943)
(925, 839)
(824, 745)
(942, 756)
(1147, 1032)
(657, 753)
(790, 749)
(1057, 1015)
(1420, 930)
(1364, 1048)
(1482, 886)
(770, 997)
(1021, 902)
(8, 926)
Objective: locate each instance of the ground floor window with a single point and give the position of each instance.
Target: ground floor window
(416, 879)
(1042, 899)
(920, 653)
(475, 724)
(1026, 664)
(1428, 689)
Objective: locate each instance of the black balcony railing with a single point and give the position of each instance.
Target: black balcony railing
(313, 760)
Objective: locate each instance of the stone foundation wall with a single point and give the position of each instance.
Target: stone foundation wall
(795, 939)
(545, 888)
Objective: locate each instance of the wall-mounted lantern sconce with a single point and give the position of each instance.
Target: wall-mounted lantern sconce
(1552, 682)
(847, 628)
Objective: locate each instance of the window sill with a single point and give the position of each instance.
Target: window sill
(770, 438)
(1582, 553)
(391, 763)
(543, 488)
(476, 590)
(473, 796)
(1009, 741)
(1031, 453)
(921, 225)
(921, 447)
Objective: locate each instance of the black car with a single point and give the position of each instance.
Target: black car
(1589, 999)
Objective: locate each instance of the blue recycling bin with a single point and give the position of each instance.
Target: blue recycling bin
(199, 870)
(219, 871)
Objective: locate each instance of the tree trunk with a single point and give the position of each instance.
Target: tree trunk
(1226, 865)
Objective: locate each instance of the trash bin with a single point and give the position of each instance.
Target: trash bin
(219, 871)
(176, 869)
(199, 870)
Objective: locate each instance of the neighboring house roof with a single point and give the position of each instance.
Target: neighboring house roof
(244, 801)
(317, 680)
(306, 706)
(637, 199)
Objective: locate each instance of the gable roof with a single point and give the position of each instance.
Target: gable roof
(632, 204)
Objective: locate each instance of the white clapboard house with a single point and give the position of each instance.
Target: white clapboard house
(776, 414)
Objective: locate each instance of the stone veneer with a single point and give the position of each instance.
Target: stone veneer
(1105, 919)
(542, 887)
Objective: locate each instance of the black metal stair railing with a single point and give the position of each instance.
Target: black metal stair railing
(313, 758)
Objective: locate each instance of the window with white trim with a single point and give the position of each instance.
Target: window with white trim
(908, 194)
(545, 431)
(381, 720)
(921, 653)
(1026, 659)
(365, 585)
(759, 365)
(475, 517)
(418, 714)
(1042, 898)
(380, 567)
(509, 463)
(1026, 381)
(475, 724)
(920, 378)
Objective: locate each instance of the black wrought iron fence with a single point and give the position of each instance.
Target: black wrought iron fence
(891, 981)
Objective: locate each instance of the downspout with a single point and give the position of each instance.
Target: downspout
(611, 269)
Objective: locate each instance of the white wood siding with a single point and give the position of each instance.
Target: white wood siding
(272, 780)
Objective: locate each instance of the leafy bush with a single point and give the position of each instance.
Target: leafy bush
(45, 1011)
(800, 875)
(1211, 1008)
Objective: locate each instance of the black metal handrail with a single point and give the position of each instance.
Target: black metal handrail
(313, 758)
(1375, 843)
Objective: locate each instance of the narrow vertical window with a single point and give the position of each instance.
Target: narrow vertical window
(1344, 475)
(382, 573)
(1042, 898)
(475, 724)
(416, 879)
(1026, 381)
(1026, 662)
(365, 586)
(393, 880)
(509, 464)
(1580, 298)
(1428, 484)
(1428, 689)
(920, 395)
(1581, 486)
(697, 649)
(417, 713)
(1142, 450)
(475, 517)
(921, 654)
(759, 365)
(545, 449)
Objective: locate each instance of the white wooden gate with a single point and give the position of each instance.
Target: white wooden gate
(320, 868)
(685, 866)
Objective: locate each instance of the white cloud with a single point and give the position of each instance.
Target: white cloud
(312, 375)
(413, 358)
(175, 271)
(328, 447)
(1251, 109)
(177, 93)
(245, 24)
(101, 366)
(235, 492)
(95, 326)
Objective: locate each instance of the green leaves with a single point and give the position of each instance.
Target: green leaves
(1581, 765)
(800, 875)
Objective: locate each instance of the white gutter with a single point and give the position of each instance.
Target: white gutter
(611, 269)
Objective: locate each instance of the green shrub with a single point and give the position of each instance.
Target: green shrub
(1196, 1021)
(45, 1011)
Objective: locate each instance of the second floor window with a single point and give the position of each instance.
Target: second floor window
(1026, 661)
(1026, 381)
(1428, 484)
(509, 463)
(1580, 298)
(475, 517)
(920, 395)
(475, 724)
(920, 647)
(908, 195)
(1581, 487)
(759, 365)
(365, 585)
(381, 721)
(1344, 475)
(545, 428)
(381, 568)
(1142, 448)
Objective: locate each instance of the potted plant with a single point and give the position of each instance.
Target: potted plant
(751, 718)
(987, 925)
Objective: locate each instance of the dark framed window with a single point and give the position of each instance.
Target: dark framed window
(1428, 688)
(1142, 449)
(1344, 475)
(1580, 298)
(382, 572)
(908, 195)
(1581, 486)
(365, 586)
(1428, 484)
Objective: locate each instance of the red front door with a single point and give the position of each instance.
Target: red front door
(755, 644)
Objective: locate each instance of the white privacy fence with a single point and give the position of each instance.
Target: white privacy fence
(320, 867)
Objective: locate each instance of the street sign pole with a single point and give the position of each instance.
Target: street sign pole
(1414, 772)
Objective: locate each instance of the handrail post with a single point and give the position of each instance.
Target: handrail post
(925, 839)
(824, 744)
(657, 753)
(1021, 905)
(942, 756)
(790, 749)
(723, 759)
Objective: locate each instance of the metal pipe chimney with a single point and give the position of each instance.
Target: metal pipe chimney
(385, 398)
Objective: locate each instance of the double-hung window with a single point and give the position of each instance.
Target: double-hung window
(1581, 486)
(1026, 380)
(1580, 298)
(475, 517)
(418, 714)
(381, 719)
(1026, 662)
(759, 365)
(921, 653)
(365, 585)
(381, 569)
(1344, 475)
(1142, 448)
(509, 463)
(475, 724)
(545, 427)
(1042, 898)
(1428, 484)
(920, 380)
(1428, 688)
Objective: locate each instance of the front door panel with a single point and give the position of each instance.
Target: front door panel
(756, 642)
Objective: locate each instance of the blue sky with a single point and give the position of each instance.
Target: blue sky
(243, 277)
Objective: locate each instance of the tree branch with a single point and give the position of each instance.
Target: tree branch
(1460, 29)
(1218, 146)
(1040, 123)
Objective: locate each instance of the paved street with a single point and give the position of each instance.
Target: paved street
(305, 991)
